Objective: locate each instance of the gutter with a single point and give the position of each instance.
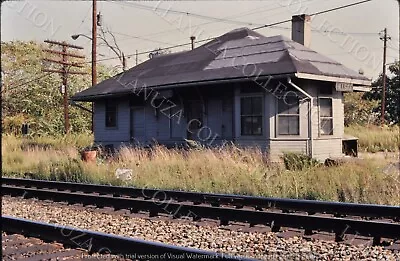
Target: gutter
(364, 82)
(310, 130)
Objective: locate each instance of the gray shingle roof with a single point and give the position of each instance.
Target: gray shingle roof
(238, 54)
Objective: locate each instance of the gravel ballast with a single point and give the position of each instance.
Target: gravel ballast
(266, 246)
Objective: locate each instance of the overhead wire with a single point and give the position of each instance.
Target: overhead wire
(242, 14)
(255, 28)
(314, 14)
(84, 18)
(14, 86)
(196, 25)
(185, 13)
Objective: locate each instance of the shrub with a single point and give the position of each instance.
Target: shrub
(298, 161)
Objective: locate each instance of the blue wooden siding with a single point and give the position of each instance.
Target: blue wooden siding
(117, 135)
(222, 122)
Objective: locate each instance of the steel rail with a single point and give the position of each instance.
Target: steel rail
(259, 203)
(340, 226)
(97, 242)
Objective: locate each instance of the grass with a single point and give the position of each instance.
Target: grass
(375, 138)
(224, 170)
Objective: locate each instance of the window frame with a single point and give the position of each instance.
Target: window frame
(320, 117)
(107, 111)
(251, 96)
(279, 115)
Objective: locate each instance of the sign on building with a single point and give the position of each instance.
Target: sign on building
(344, 87)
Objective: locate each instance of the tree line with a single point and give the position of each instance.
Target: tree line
(30, 96)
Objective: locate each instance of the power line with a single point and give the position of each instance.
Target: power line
(340, 7)
(313, 14)
(231, 16)
(84, 18)
(185, 13)
(349, 52)
(27, 82)
(141, 38)
(196, 25)
(255, 28)
(326, 31)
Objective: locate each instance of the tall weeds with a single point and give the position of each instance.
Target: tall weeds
(224, 170)
(374, 138)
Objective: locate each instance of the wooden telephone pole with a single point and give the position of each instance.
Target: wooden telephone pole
(65, 72)
(94, 52)
(384, 38)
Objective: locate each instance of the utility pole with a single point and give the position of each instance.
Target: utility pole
(136, 57)
(192, 38)
(384, 38)
(94, 44)
(64, 72)
(398, 1)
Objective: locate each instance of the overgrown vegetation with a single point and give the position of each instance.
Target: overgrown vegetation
(296, 161)
(30, 96)
(374, 138)
(225, 170)
(365, 108)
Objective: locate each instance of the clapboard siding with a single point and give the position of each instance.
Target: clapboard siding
(279, 146)
(327, 148)
(167, 127)
(112, 135)
(261, 144)
(338, 114)
(222, 123)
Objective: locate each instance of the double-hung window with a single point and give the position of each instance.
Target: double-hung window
(288, 115)
(251, 116)
(325, 116)
(111, 114)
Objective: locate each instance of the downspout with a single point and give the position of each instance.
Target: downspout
(310, 130)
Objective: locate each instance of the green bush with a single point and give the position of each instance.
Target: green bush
(298, 161)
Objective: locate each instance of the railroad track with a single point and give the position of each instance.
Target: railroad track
(374, 221)
(25, 239)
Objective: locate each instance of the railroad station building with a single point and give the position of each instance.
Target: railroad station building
(242, 87)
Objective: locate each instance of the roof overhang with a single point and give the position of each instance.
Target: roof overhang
(181, 85)
(364, 83)
(362, 88)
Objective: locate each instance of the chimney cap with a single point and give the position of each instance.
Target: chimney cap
(304, 17)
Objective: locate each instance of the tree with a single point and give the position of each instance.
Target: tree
(392, 104)
(360, 111)
(33, 97)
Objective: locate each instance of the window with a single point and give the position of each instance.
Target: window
(251, 115)
(326, 116)
(111, 114)
(288, 115)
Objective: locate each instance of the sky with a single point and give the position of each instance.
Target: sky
(350, 36)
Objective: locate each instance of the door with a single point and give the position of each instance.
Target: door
(194, 119)
(137, 125)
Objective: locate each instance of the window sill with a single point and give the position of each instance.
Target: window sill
(249, 137)
(289, 138)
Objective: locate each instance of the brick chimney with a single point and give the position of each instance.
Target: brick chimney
(301, 29)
